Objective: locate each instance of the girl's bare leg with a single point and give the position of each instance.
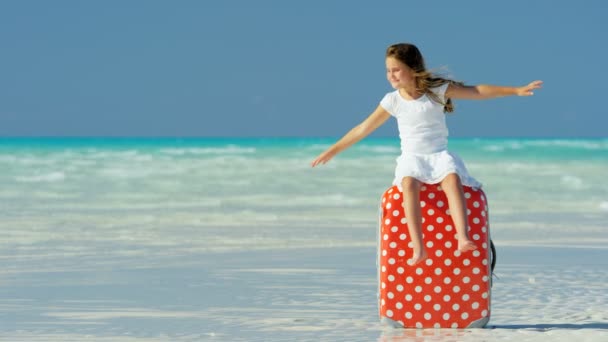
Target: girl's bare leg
(452, 187)
(411, 205)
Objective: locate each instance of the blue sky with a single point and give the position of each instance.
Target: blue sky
(291, 68)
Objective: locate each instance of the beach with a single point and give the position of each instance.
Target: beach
(240, 240)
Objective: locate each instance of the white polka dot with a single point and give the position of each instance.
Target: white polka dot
(418, 271)
(446, 298)
(431, 195)
(428, 280)
(389, 313)
(436, 325)
(400, 270)
(447, 280)
(429, 262)
(390, 295)
(476, 270)
(476, 253)
(388, 205)
(387, 222)
(465, 297)
(466, 280)
(391, 261)
(392, 244)
(446, 316)
(438, 271)
(484, 295)
(399, 305)
(456, 271)
(422, 204)
(467, 195)
(427, 316)
(409, 280)
(400, 288)
(476, 220)
(427, 298)
(437, 307)
(418, 289)
(437, 289)
(385, 237)
(408, 297)
(484, 262)
(448, 228)
(457, 253)
(454, 325)
(464, 315)
(439, 236)
(383, 268)
(419, 325)
(475, 287)
(475, 305)
(408, 315)
(484, 313)
(440, 204)
(476, 237)
(456, 289)
(429, 244)
(430, 227)
(448, 244)
(391, 277)
(401, 252)
(476, 204)
(402, 237)
(384, 252)
(431, 212)
(383, 285)
(396, 196)
(484, 278)
(403, 220)
(395, 212)
(456, 307)
(440, 219)
(439, 253)
(417, 306)
(394, 229)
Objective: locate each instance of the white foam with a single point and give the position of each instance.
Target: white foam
(231, 149)
(49, 177)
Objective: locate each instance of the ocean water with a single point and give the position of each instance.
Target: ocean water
(113, 208)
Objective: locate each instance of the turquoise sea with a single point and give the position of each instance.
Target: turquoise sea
(83, 219)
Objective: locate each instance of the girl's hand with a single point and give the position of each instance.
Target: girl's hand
(323, 157)
(528, 89)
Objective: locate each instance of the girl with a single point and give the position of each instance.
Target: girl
(419, 103)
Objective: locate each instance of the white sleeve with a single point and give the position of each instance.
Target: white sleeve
(440, 91)
(388, 103)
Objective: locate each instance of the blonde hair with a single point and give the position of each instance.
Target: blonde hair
(409, 55)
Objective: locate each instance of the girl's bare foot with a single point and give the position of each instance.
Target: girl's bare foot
(465, 245)
(418, 256)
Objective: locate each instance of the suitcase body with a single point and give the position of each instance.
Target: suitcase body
(450, 289)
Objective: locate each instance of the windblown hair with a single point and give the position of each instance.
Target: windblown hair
(409, 55)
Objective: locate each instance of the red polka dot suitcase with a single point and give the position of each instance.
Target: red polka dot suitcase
(450, 289)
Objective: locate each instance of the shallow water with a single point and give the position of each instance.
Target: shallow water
(219, 239)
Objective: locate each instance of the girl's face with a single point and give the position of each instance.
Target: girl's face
(398, 74)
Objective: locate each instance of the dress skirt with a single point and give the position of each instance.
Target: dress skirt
(432, 168)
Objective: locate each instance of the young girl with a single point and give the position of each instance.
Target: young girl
(419, 103)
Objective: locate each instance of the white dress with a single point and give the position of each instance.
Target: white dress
(424, 140)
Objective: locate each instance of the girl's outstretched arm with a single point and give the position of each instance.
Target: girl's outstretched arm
(484, 91)
(373, 121)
